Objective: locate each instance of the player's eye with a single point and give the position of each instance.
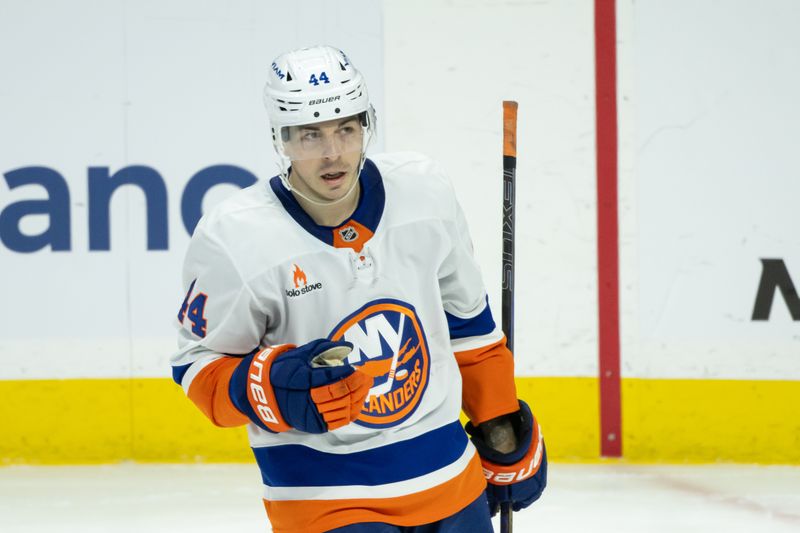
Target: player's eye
(309, 135)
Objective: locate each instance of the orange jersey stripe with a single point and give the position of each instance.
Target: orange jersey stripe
(488, 375)
(209, 391)
(317, 516)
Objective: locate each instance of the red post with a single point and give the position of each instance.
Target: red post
(607, 228)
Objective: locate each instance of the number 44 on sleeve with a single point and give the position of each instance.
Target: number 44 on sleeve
(194, 311)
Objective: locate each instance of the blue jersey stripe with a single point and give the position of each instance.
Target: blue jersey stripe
(481, 324)
(294, 465)
(178, 372)
(368, 212)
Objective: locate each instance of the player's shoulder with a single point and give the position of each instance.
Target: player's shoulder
(397, 166)
(243, 209)
(415, 179)
(247, 221)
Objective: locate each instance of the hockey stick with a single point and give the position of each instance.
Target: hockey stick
(509, 172)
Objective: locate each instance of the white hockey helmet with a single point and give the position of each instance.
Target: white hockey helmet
(314, 85)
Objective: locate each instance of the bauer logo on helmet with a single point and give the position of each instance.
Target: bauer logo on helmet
(324, 100)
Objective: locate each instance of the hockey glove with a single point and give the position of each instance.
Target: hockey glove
(517, 477)
(309, 387)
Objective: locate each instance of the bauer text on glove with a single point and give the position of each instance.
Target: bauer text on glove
(517, 477)
(286, 387)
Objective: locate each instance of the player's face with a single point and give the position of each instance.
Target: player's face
(325, 157)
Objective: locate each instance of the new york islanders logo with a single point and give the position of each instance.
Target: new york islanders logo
(389, 345)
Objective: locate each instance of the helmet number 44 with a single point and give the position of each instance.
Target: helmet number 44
(322, 78)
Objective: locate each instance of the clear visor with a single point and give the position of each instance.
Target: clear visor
(329, 139)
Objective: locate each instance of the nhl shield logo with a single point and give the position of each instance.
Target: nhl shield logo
(389, 345)
(348, 234)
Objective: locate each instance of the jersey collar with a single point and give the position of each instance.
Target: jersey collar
(354, 231)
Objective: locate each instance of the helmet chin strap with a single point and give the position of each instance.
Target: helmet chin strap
(284, 175)
(288, 185)
(284, 164)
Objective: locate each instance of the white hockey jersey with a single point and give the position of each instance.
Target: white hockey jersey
(398, 280)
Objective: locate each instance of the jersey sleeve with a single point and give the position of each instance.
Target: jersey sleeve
(485, 362)
(219, 323)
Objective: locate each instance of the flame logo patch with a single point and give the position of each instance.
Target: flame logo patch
(298, 276)
(301, 284)
(389, 345)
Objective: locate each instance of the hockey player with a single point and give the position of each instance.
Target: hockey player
(338, 311)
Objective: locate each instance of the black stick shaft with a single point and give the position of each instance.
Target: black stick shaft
(509, 185)
(509, 171)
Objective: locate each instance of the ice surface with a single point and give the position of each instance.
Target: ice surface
(205, 498)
